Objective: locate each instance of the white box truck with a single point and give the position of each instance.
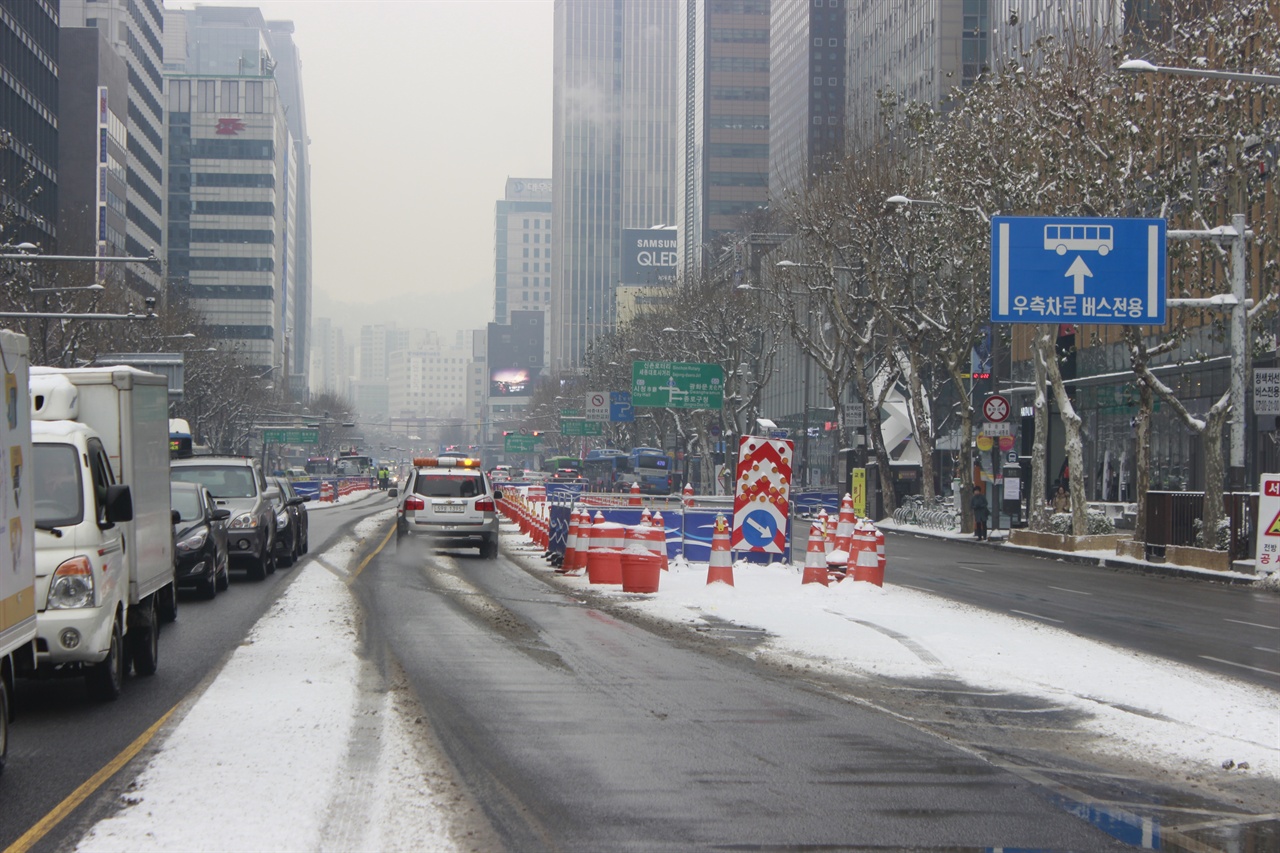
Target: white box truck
(104, 527)
(17, 561)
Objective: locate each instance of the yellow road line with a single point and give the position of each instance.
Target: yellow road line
(36, 833)
(373, 553)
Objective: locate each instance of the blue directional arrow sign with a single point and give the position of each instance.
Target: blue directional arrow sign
(1064, 269)
(620, 408)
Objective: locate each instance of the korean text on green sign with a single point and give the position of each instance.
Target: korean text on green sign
(580, 427)
(520, 443)
(677, 384)
(291, 436)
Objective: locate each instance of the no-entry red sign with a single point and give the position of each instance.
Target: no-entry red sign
(996, 408)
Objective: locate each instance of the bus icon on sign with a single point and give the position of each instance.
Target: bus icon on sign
(1078, 238)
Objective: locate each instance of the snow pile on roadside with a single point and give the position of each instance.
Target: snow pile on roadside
(285, 751)
(1185, 715)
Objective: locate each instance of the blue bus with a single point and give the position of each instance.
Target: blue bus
(606, 470)
(653, 469)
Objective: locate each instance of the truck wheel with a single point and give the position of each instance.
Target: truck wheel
(106, 679)
(4, 722)
(144, 642)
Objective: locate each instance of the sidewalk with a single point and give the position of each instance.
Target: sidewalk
(1105, 559)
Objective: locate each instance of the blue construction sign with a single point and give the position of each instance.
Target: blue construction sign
(1065, 269)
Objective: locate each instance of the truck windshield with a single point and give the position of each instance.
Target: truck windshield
(233, 481)
(59, 496)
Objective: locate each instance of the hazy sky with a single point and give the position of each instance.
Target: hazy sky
(418, 112)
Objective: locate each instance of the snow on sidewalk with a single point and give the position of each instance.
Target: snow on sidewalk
(285, 750)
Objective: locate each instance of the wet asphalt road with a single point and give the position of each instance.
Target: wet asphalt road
(579, 731)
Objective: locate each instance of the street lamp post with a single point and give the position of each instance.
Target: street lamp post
(1235, 235)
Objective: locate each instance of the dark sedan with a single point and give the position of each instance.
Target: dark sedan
(291, 523)
(199, 539)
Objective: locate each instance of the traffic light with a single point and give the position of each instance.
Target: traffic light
(537, 432)
(508, 432)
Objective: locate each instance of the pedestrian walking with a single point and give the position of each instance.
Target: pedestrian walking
(981, 511)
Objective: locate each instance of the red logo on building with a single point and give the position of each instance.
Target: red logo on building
(229, 126)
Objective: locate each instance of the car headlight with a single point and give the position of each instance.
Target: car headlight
(72, 585)
(194, 542)
(282, 519)
(244, 520)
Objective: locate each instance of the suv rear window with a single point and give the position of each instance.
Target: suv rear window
(435, 485)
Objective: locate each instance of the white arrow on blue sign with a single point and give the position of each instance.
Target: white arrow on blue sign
(1064, 269)
(620, 408)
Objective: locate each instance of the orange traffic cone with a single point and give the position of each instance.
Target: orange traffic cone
(721, 566)
(645, 517)
(832, 528)
(571, 541)
(660, 525)
(845, 525)
(635, 495)
(687, 494)
(815, 558)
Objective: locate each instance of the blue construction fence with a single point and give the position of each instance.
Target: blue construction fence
(310, 489)
(688, 529)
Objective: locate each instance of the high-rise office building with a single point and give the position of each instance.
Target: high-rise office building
(522, 248)
(232, 187)
(918, 52)
(92, 146)
(288, 72)
(807, 51)
(29, 122)
(614, 130)
(723, 172)
(135, 29)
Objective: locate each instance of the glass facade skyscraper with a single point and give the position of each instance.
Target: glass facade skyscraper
(724, 110)
(614, 157)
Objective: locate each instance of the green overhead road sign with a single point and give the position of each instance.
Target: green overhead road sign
(291, 436)
(520, 443)
(677, 385)
(581, 427)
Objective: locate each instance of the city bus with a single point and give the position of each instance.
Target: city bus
(653, 469)
(606, 470)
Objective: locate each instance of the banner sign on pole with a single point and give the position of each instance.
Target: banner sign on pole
(762, 496)
(1268, 544)
(1266, 390)
(858, 491)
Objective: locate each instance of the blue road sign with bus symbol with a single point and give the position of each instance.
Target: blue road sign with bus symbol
(1065, 269)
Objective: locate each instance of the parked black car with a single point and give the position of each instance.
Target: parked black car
(291, 523)
(199, 539)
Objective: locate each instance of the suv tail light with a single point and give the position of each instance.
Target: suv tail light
(484, 505)
(413, 502)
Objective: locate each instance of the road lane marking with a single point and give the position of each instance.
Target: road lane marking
(972, 569)
(1253, 624)
(1265, 649)
(917, 588)
(36, 833)
(1241, 665)
(1037, 616)
(1075, 591)
(372, 554)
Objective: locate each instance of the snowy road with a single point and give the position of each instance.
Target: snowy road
(764, 714)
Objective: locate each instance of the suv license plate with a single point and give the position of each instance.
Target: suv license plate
(449, 507)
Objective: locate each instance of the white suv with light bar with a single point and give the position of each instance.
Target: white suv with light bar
(452, 500)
